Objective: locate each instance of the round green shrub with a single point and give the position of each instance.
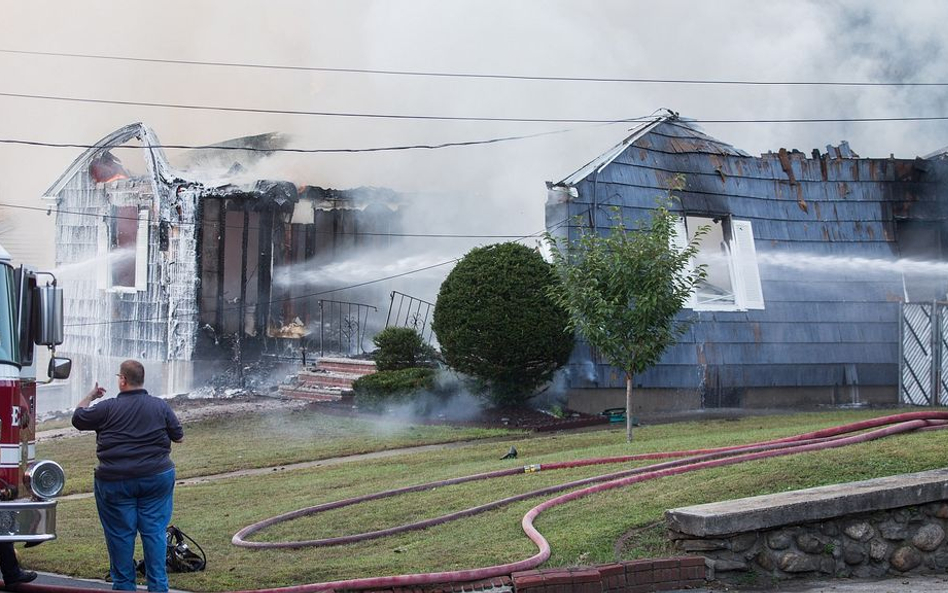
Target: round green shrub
(383, 388)
(401, 348)
(496, 322)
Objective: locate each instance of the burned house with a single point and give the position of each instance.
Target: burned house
(196, 274)
(813, 263)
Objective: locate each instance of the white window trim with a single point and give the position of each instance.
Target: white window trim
(746, 268)
(680, 242)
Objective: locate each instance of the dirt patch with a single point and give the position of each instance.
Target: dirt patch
(189, 410)
(523, 418)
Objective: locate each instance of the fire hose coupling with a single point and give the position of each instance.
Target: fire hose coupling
(533, 467)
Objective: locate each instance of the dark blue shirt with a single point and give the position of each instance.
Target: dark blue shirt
(134, 431)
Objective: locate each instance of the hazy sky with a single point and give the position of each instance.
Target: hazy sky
(754, 41)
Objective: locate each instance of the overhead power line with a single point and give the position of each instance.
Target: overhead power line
(534, 235)
(820, 120)
(480, 75)
(795, 120)
(217, 224)
(495, 140)
(266, 111)
(283, 300)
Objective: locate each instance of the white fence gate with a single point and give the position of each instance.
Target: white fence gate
(923, 354)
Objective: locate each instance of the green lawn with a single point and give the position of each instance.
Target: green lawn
(235, 442)
(581, 532)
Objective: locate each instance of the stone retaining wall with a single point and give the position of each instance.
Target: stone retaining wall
(907, 535)
(908, 539)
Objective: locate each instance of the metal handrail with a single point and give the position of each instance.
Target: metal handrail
(351, 327)
(413, 314)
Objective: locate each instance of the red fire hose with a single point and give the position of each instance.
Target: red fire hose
(688, 461)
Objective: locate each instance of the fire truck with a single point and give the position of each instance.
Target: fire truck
(31, 314)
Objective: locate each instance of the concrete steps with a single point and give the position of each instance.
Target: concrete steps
(328, 380)
(346, 365)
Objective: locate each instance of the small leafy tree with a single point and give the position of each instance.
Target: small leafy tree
(495, 321)
(624, 287)
(401, 348)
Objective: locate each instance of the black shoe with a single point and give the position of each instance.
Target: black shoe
(25, 576)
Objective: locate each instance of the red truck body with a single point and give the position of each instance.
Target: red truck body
(28, 318)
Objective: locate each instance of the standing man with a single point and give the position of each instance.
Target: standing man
(134, 482)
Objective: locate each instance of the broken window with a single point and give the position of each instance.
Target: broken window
(105, 168)
(730, 259)
(123, 250)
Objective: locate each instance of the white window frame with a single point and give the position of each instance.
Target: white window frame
(742, 266)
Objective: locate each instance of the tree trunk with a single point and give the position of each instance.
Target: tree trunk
(628, 407)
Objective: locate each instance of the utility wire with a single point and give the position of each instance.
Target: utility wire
(287, 299)
(495, 140)
(307, 113)
(455, 118)
(818, 120)
(474, 75)
(217, 224)
(271, 302)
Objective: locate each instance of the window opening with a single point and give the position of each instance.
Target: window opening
(717, 288)
(122, 247)
(123, 250)
(727, 251)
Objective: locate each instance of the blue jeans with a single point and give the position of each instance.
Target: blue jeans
(129, 507)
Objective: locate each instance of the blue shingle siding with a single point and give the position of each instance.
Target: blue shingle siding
(831, 314)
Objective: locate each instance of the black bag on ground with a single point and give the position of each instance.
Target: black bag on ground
(180, 557)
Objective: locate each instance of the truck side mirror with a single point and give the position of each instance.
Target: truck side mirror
(48, 311)
(59, 367)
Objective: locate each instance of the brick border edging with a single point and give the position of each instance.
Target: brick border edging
(636, 576)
